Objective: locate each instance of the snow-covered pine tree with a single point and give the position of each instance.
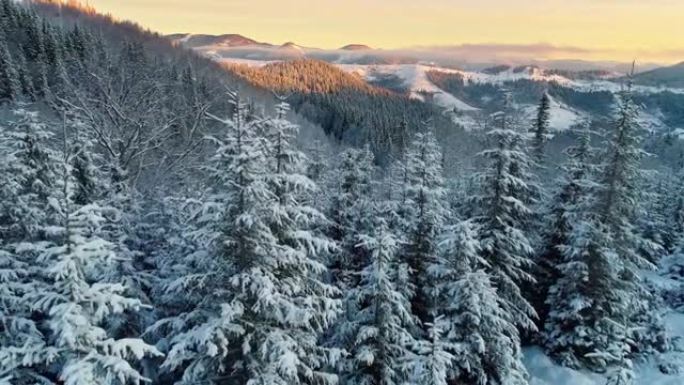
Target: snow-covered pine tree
(77, 305)
(9, 76)
(652, 216)
(596, 301)
(620, 182)
(503, 217)
(26, 215)
(676, 209)
(349, 214)
(377, 334)
(541, 128)
(436, 353)
(427, 213)
(27, 206)
(585, 298)
(264, 302)
(24, 76)
(618, 205)
(477, 332)
(194, 332)
(574, 182)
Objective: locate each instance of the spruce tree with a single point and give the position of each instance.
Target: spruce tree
(595, 303)
(30, 189)
(77, 304)
(572, 185)
(351, 202)
(377, 334)
(477, 332)
(265, 304)
(10, 86)
(436, 355)
(503, 218)
(425, 213)
(541, 128)
(27, 171)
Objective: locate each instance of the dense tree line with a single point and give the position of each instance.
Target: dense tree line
(155, 227)
(348, 108)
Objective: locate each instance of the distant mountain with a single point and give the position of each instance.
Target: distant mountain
(356, 47)
(222, 41)
(672, 76)
(292, 50)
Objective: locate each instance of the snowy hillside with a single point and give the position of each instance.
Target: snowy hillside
(561, 116)
(415, 81)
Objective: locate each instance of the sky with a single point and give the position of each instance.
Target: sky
(623, 30)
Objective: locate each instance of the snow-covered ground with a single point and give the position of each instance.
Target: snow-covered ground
(543, 371)
(414, 77)
(561, 116)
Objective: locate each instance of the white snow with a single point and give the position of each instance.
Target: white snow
(561, 116)
(414, 77)
(543, 371)
(678, 132)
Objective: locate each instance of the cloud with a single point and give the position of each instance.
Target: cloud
(506, 52)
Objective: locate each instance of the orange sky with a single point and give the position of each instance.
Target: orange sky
(648, 30)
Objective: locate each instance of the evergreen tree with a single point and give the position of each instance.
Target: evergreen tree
(266, 304)
(378, 331)
(436, 353)
(503, 218)
(477, 331)
(9, 77)
(599, 293)
(28, 206)
(574, 183)
(350, 204)
(541, 128)
(425, 213)
(26, 169)
(78, 304)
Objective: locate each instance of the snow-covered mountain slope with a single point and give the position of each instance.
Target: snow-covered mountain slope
(470, 96)
(415, 81)
(502, 77)
(223, 41)
(561, 116)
